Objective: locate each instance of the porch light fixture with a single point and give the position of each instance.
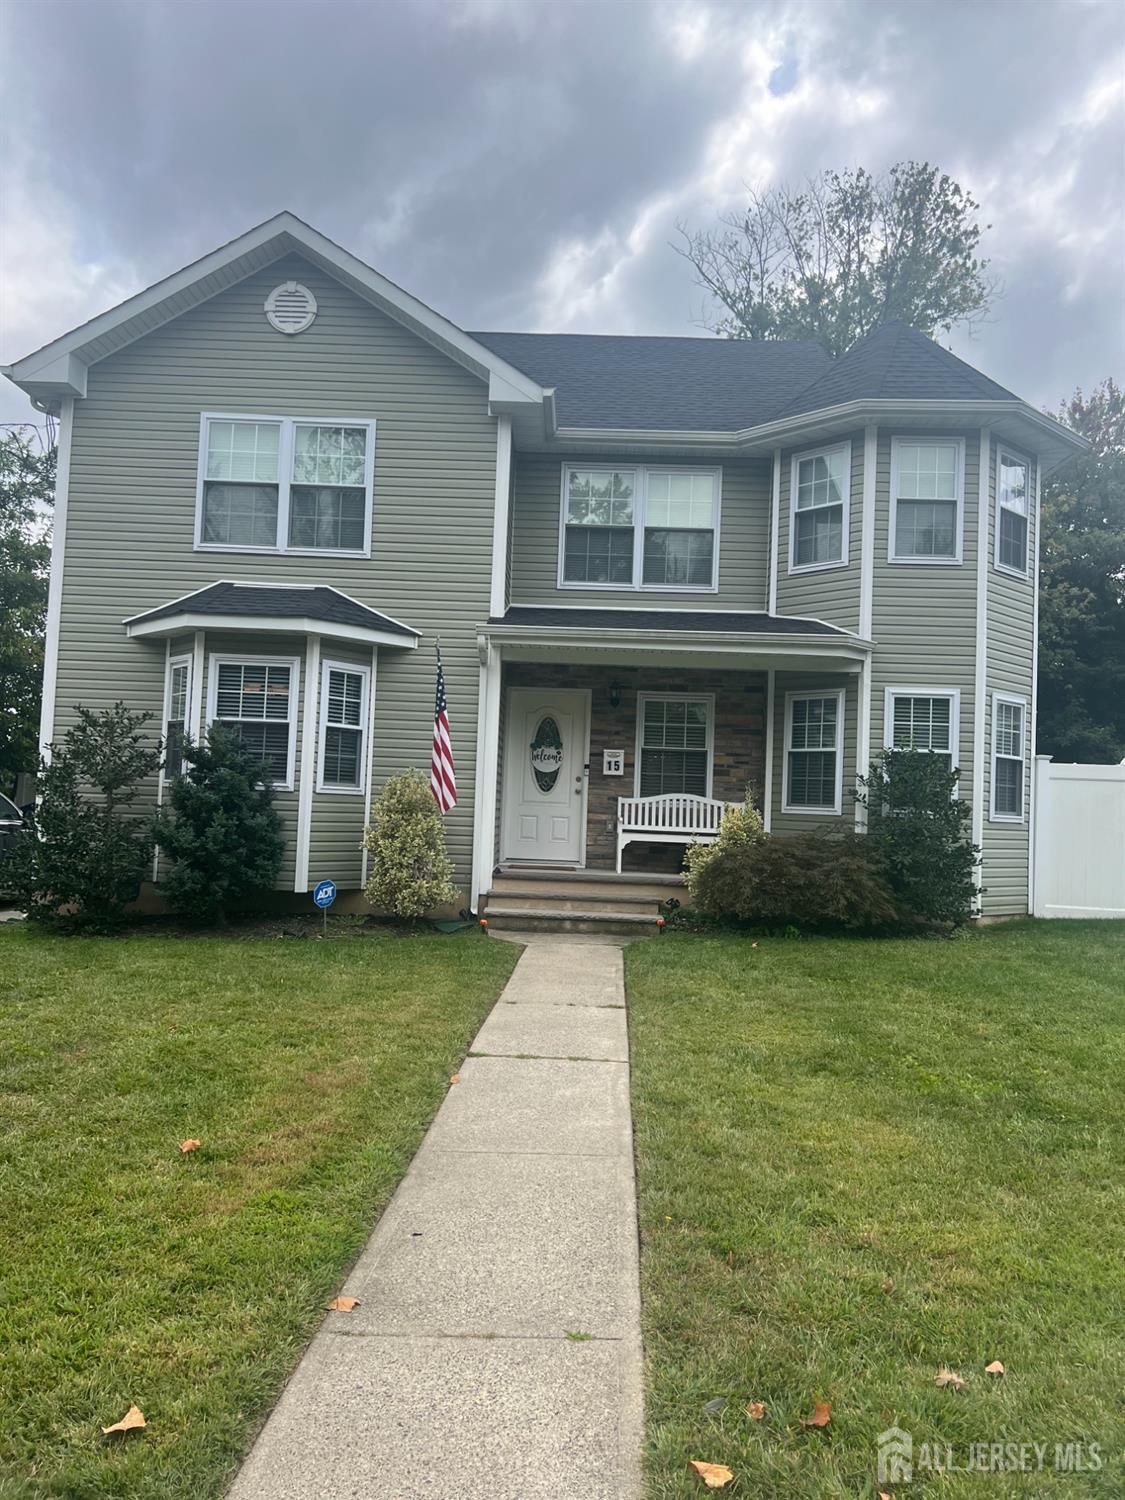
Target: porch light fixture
(615, 695)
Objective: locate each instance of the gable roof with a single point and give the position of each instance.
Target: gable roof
(683, 384)
(895, 362)
(296, 607)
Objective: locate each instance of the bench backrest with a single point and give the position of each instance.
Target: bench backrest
(671, 812)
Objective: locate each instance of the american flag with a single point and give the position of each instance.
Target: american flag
(443, 776)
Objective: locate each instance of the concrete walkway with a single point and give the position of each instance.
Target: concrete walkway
(515, 1226)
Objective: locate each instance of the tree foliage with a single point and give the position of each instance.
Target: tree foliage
(1082, 589)
(27, 485)
(219, 828)
(411, 873)
(844, 253)
(85, 859)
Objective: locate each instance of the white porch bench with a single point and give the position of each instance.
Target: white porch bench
(671, 818)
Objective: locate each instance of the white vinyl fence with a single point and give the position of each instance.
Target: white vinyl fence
(1078, 850)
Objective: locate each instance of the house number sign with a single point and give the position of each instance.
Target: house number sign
(613, 762)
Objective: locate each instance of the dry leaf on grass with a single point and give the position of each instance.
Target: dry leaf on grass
(951, 1378)
(133, 1419)
(888, 1284)
(995, 1368)
(756, 1410)
(714, 1476)
(343, 1304)
(822, 1415)
(186, 1146)
(455, 1078)
(884, 1495)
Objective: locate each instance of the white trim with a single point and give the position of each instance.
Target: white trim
(775, 539)
(806, 694)
(862, 738)
(658, 697)
(1033, 790)
(924, 690)
(55, 586)
(237, 658)
(498, 593)
(183, 659)
(285, 455)
(795, 462)
(641, 473)
(867, 528)
(486, 792)
(265, 625)
(364, 856)
(767, 779)
(1005, 450)
(980, 661)
(1017, 701)
(362, 671)
(934, 440)
(197, 674)
(309, 716)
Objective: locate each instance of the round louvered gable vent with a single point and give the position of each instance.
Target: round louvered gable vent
(290, 307)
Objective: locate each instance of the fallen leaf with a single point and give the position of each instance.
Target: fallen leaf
(883, 1495)
(186, 1146)
(756, 1410)
(714, 1476)
(822, 1415)
(343, 1304)
(753, 945)
(888, 1284)
(995, 1368)
(455, 1078)
(132, 1419)
(951, 1378)
(715, 1404)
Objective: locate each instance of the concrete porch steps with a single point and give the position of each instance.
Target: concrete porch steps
(525, 900)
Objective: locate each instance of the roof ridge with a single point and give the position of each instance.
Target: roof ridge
(681, 338)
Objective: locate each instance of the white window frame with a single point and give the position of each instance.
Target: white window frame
(173, 662)
(330, 789)
(803, 695)
(642, 699)
(794, 471)
(641, 474)
(288, 426)
(911, 691)
(930, 441)
(1003, 451)
(1016, 701)
(238, 659)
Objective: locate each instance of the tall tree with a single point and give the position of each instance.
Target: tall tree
(1082, 589)
(27, 488)
(834, 259)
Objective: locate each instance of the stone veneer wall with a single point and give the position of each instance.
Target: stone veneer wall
(739, 743)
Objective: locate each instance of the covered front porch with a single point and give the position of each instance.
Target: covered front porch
(621, 736)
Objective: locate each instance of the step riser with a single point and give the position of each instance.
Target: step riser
(586, 877)
(528, 922)
(510, 888)
(589, 905)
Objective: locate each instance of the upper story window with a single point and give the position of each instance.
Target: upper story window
(283, 484)
(343, 727)
(637, 528)
(818, 508)
(1013, 495)
(927, 486)
(255, 698)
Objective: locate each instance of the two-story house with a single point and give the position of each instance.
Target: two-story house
(655, 566)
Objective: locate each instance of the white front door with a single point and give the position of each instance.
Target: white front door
(545, 775)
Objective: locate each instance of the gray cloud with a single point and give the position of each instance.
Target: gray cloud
(524, 165)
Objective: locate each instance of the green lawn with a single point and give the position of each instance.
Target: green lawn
(861, 1161)
(189, 1284)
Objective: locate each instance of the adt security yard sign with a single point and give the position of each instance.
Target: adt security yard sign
(325, 893)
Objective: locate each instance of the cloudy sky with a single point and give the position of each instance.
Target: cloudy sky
(523, 163)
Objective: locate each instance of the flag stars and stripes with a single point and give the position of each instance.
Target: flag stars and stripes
(443, 776)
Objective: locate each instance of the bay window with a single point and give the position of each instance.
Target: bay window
(814, 752)
(923, 719)
(1009, 734)
(280, 484)
(256, 700)
(343, 727)
(1013, 491)
(177, 699)
(818, 508)
(927, 483)
(639, 527)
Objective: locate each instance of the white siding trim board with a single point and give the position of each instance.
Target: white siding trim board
(775, 531)
(498, 594)
(308, 761)
(1033, 758)
(55, 585)
(767, 780)
(984, 467)
(370, 750)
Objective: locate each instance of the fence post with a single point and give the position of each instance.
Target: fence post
(1040, 843)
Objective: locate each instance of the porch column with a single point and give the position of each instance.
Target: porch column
(488, 769)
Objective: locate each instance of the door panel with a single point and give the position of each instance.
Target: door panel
(544, 775)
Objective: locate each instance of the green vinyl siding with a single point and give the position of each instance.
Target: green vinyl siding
(337, 823)
(130, 527)
(813, 683)
(830, 593)
(1011, 605)
(743, 537)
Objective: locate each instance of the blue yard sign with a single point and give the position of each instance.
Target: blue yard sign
(325, 893)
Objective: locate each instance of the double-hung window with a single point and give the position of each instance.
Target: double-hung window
(923, 719)
(1013, 492)
(177, 700)
(640, 528)
(674, 745)
(280, 484)
(1009, 735)
(256, 699)
(343, 727)
(927, 483)
(814, 752)
(818, 509)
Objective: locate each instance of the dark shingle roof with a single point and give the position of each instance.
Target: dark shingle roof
(723, 622)
(261, 601)
(696, 385)
(896, 362)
